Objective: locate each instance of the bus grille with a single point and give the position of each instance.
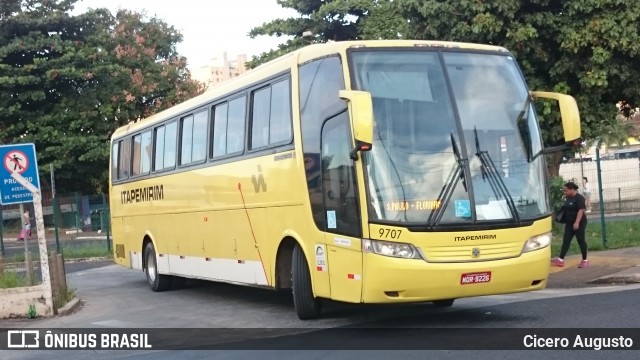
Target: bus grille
(468, 253)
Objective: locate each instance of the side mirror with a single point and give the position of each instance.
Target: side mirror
(361, 115)
(569, 113)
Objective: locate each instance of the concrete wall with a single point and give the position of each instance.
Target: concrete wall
(15, 302)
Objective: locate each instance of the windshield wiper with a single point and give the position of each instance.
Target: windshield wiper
(490, 172)
(447, 191)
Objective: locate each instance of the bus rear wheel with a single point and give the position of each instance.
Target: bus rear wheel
(307, 306)
(156, 281)
(443, 303)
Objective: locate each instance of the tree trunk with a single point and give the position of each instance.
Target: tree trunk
(553, 164)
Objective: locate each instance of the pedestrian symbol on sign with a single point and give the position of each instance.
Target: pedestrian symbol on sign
(16, 161)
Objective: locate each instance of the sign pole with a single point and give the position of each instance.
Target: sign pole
(19, 184)
(2, 254)
(25, 238)
(54, 206)
(42, 241)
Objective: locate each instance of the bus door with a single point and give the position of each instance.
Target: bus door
(342, 219)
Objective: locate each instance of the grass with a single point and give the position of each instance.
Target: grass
(620, 234)
(86, 252)
(69, 252)
(9, 279)
(63, 298)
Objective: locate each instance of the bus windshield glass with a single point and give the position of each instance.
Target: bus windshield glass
(456, 140)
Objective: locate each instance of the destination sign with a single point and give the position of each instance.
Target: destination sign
(417, 205)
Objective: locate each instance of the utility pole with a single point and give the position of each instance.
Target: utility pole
(599, 170)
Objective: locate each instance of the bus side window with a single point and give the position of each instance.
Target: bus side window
(170, 145)
(261, 108)
(280, 123)
(186, 140)
(158, 163)
(235, 125)
(199, 149)
(219, 136)
(125, 159)
(145, 161)
(114, 161)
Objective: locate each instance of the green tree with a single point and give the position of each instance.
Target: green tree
(330, 20)
(588, 49)
(66, 83)
(584, 48)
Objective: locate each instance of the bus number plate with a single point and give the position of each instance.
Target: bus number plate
(474, 278)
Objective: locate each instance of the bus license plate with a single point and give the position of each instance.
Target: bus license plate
(475, 278)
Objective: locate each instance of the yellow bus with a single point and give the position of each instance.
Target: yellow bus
(362, 172)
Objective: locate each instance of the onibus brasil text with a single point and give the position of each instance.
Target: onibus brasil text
(96, 341)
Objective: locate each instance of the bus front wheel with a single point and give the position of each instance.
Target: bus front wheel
(156, 281)
(307, 306)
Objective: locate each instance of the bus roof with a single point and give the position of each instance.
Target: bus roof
(281, 64)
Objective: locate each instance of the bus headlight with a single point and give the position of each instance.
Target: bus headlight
(393, 249)
(537, 242)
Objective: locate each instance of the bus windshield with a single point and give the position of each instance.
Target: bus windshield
(456, 139)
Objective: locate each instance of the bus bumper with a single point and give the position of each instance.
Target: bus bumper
(389, 280)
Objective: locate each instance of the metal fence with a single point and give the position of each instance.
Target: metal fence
(617, 191)
(615, 197)
(67, 217)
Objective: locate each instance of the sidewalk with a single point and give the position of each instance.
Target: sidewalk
(619, 266)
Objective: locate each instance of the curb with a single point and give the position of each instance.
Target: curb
(69, 307)
(627, 276)
(612, 280)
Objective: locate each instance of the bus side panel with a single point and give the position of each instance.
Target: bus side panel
(121, 248)
(345, 267)
(214, 245)
(291, 222)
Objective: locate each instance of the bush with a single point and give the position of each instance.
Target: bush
(556, 196)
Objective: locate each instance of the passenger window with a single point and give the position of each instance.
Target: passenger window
(125, 159)
(260, 118)
(145, 153)
(280, 124)
(271, 115)
(235, 125)
(187, 139)
(141, 160)
(219, 146)
(165, 149)
(137, 145)
(199, 152)
(170, 145)
(114, 161)
(159, 149)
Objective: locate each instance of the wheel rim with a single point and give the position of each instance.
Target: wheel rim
(151, 267)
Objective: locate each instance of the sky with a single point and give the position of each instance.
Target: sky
(208, 27)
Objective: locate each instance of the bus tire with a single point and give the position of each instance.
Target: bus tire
(306, 305)
(443, 303)
(156, 281)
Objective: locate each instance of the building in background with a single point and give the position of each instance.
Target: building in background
(220, 69)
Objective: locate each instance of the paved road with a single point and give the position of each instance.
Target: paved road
(115, 297)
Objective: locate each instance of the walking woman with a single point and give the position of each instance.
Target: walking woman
(576, 224)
